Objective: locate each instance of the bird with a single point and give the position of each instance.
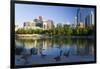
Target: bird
(41, 53)
(26, 56)
(66, 54)
(57, 58)
(33, 51)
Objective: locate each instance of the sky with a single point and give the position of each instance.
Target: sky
(59, 14)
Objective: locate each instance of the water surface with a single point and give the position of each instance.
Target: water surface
(47, 51)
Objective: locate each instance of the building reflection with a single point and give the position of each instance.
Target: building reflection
(84, 48)
(78, 47)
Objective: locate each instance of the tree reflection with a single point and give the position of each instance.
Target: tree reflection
(53, 48)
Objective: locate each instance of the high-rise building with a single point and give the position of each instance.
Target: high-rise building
(92, 17)
(75, 22)
(80, 16)
(89, 20)
(78, 10)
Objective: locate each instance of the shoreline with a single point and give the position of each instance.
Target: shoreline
(38, 36)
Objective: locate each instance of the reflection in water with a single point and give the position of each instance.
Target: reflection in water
(43, 51)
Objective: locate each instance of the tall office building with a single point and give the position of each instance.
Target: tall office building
(80, 16)
(86, 20)
(89, 19)
(78, 11)
(75, 22)
(92, 17)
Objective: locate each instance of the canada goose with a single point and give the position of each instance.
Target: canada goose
(57, 58)
(26, 56)
(66, 54)
(33, 51)
(42, 55)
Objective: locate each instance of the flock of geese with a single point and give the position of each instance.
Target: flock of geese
(32, 50)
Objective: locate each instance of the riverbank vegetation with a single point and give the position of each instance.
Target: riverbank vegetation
(60, 31)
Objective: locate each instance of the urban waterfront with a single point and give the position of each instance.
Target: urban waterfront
(54, 35)
(47, 51)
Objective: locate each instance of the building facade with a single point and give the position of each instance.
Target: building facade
(29, 25)
(39, 23)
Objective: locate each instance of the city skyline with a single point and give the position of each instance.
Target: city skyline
(66, 15)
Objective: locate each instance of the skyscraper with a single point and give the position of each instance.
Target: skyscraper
(89, 19)
(75, 22)
(92, 17)
(80, 16)
(78, 10)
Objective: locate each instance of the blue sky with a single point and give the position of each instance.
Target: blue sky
(59, 14)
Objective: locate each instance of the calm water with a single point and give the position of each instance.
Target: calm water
(46, 51)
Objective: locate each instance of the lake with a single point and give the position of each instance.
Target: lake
(53, 50)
